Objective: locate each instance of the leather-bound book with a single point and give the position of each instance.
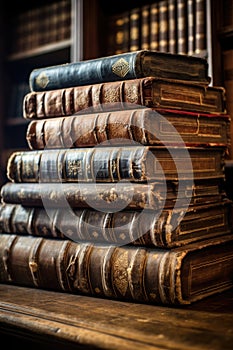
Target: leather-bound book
(177, 276)
(182, 25)
(116, 163)
(154, 26)
(163, 25)
(135, 29)
(200, 28)
(148, 92)
(128, 65)
(154, 195)
(155, 228)
(142, 126)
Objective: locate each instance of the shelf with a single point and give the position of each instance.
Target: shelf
(16, 121)
(82, 322)
(41, 50)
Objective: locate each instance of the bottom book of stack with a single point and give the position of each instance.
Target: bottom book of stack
(180, 275)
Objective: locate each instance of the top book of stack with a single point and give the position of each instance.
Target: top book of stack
(125, 66)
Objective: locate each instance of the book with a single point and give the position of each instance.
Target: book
(155, 195)
(148, 92)
(172, 27)
(124, 66)
(145, 27)
(135, 29)
(168, 228)
(116, 163)
(124, 126)
(154, 26)
(159, 276)
(181, 27)
(191, 26)
(200, 28)
(163, 25)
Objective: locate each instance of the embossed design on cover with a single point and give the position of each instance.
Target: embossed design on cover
(42, 80)
(120, 67)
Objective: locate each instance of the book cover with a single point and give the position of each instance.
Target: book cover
(159, 276)
(129, 65)
(124, 126)
(116, 163)
(148, 92)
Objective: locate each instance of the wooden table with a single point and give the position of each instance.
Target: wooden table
(49, 320)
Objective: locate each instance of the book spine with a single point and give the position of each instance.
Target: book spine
(182, 27)
(163, 26)
(145, 27)
(154, 27)
(172, 24)
(200, 28)
(135, 25)
(103, 164)
(191, 25)
(93, 129)
(125, 273)
(120, 32)
(111, 68)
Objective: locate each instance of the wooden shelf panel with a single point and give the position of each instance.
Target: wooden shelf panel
(107, 324)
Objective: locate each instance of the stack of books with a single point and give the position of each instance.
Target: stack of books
(121, 192)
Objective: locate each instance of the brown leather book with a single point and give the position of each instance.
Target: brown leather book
(155, 228)
(147, 92)
(116, 163)
(142, 125)
(181, 275)
(154, 195)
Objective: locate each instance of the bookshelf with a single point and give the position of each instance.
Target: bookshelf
(59, 31)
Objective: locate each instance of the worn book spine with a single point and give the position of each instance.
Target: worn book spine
(146, 92)
(143, 125)
(157, 276)
(129, 65)
(113, 164)
(155, 195)
(162, 228)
